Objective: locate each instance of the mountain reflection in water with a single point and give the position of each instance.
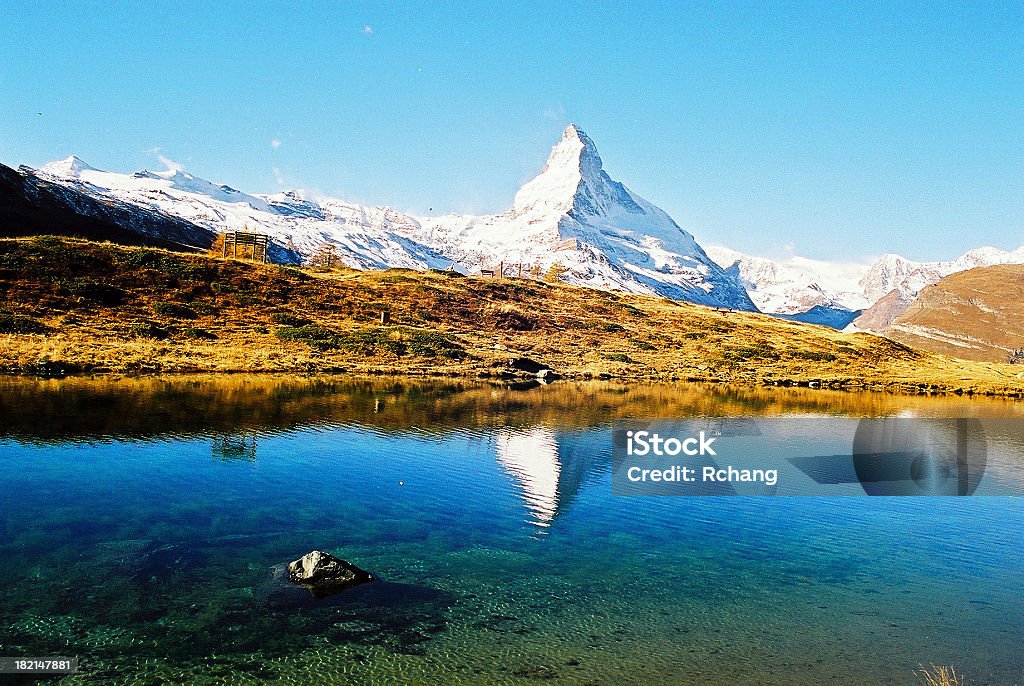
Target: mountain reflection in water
(142, 520)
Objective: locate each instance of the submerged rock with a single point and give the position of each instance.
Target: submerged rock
(324, 573)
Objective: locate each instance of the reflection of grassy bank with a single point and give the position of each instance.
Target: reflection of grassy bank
(79, 306)
(152, 406)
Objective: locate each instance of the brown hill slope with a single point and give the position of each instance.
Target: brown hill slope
(81, 306)
(975, 315)
(880, 316)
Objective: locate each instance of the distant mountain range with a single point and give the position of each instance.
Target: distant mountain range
(863, 297)
(32, 204)
(573, 216)
(974, 314)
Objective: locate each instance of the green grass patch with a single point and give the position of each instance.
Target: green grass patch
(198, 334)
(757, 351)
(433, 344)
(289, 319)
(313, 335)
(19, 323)
(94, 290)
(368, 342)
(175, 310)
(814, 356)
(147, 330)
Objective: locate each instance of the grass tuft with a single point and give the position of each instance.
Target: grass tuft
(939, 676)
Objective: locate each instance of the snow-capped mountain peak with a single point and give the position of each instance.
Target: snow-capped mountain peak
(573, 161)
(69, 168)
(573, 214)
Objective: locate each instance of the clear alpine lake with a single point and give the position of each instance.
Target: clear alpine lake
(141, 519)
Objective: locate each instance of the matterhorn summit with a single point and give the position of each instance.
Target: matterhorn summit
(598, 233)
(572, 218)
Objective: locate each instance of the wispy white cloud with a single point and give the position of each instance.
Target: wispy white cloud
(368, 30)
(278, 176)
(170, 164)
(275, 143)
(555, 113)
(153, 151)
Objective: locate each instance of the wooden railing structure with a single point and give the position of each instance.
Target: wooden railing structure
(257, 241)
(510, 269)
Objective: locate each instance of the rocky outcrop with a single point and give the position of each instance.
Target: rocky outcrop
(324, 573)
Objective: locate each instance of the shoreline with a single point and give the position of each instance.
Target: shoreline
(851, 385)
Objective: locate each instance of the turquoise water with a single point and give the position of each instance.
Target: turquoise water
(140, 522)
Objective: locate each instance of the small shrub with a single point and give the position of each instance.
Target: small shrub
(814, 356)
(198, 334)
(147, 330)
(612, 327)
(202, 307)
(509, 317)
(139, 257)
(94, 290)
(762, 351)
(619, 357)
(176, 266)
(368, 342)
(19, 323)
(294, 272)
(175, 310)
(434, 344)
(555, 272)
(56, 246)
(289, 319)
(450, 273)
(12, 261)
(316, 337)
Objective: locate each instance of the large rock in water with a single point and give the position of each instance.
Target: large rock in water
(322, 571)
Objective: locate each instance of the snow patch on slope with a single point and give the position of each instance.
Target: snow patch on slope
(363, 237)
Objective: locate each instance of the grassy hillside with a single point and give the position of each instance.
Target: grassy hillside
(80, 306)
(976, 315)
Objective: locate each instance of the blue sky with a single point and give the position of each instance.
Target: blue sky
(836, 130)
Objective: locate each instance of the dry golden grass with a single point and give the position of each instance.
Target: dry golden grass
(108, 308)
(939, 676)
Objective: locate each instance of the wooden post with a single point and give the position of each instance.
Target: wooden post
(385, 317)
(501, 270)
